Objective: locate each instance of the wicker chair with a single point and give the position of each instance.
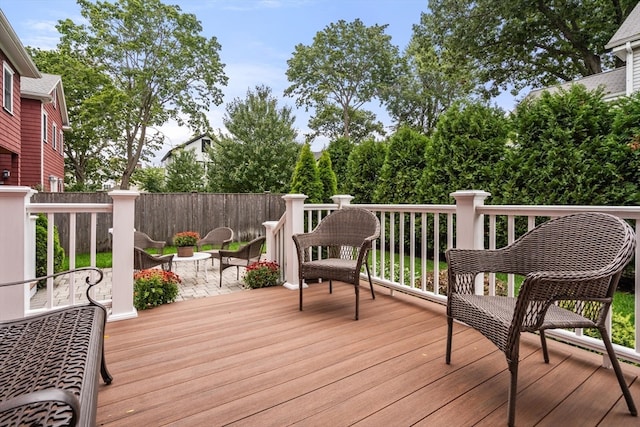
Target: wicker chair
(571, 265)
(241, 257)
(142, 240)
(143, 260)
(346, 235)
(219, 237)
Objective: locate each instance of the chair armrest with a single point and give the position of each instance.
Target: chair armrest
(43, 396)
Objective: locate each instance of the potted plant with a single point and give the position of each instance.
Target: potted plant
(261, 274)
(185, 241)
(153, 287)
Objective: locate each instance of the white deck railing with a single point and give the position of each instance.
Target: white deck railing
(408, 255)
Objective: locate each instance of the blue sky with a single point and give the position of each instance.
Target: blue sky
(257, 38)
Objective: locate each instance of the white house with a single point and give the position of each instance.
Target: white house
(199, 145)
(622, 81)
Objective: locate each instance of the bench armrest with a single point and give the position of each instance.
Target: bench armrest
(43, 396)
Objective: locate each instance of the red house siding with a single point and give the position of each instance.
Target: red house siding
(10, 150)
(31, 143)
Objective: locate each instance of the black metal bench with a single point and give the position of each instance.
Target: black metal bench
(49, 363)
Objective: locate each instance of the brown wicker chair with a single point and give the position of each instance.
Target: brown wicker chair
(241, 257)
(142, 240)
(571, 265)
(143, 260)
(346, 235)
(219, 237)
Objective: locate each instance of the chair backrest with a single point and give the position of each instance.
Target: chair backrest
(142, 240)
(579, 242)
(220, 236)
(143, 260)
(348, 227)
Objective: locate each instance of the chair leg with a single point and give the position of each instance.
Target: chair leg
(330, 286)
(449, 338)
(513, 391)
(301, 286)
(366, 266)
(618, 371)
(543, 343)
(357, 288)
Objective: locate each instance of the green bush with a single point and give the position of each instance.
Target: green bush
(41, 249)
(262, 274)
(154, 287)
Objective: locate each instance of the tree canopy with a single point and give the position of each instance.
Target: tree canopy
(347, 65)
(260, 151)
(527, 43)
(155, 55)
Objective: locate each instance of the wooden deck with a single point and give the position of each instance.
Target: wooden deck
(252, 359)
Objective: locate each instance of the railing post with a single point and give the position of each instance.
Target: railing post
(14, 250)
(294, 223)
(271, 240)
(342, 200)
(470, 225)
(122, 250)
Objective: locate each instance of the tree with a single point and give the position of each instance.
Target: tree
(363, 169)
(346, 66)
(150, 179)
(561, 155)
(528, 43)
(329, 121)
(339, 150)
(184, 173)
(305, 178)
(90, 97)
(402, 167)
(260, 152)
(327, 177)
(431, 83)
(465, 150)
(156, 58)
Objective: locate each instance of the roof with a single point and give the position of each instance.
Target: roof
(184, 144)
(12, 47)
(613, 82)
(41, 89)
(629, 30)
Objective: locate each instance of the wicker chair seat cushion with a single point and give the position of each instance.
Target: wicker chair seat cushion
(335, 268)
(492, 316)
(53, 350)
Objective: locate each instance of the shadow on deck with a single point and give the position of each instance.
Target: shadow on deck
(251, 358)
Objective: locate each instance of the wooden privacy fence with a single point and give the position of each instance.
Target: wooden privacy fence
(161, 215)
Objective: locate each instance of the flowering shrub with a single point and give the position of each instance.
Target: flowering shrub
(186, 238)
(261, 274)
(154, 287)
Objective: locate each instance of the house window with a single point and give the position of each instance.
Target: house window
(54, 136)
(45, 123)
(60, 141)
(7, 85)
(206, 144)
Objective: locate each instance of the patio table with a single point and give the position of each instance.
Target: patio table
(195, 258)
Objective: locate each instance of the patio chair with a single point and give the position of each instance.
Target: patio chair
(143, 260)
(142, 240)
(571, 266)
(219, 238)
(346, 235)
(241, 257)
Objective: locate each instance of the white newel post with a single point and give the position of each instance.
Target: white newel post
(122, 248)
(470, 224)
(342, 200)
(15, 248)
(294, 223)
(270, 241)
